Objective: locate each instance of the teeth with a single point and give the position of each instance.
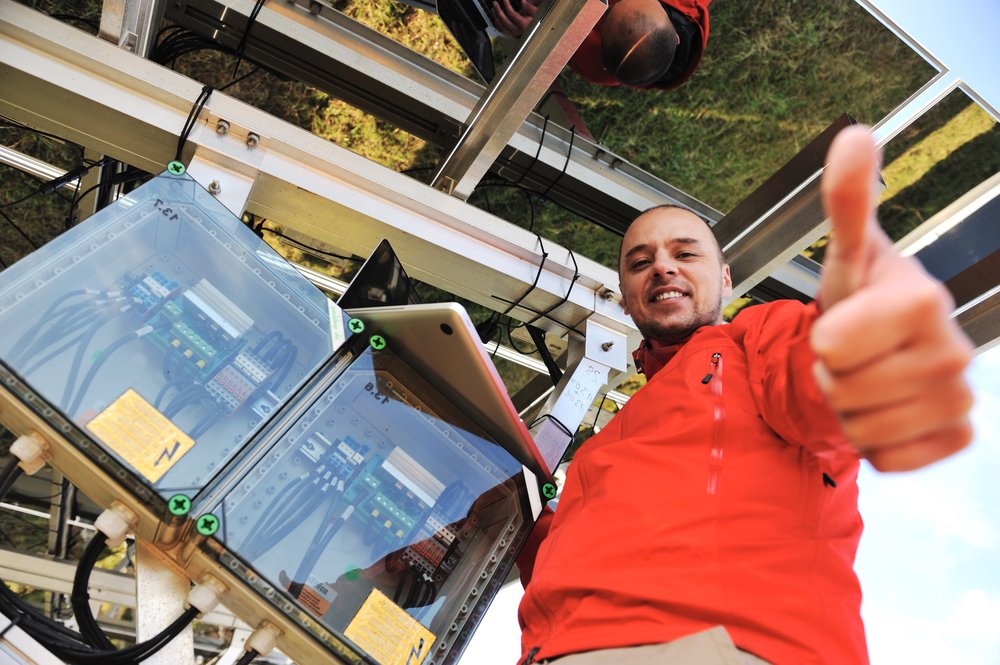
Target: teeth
(668, 295)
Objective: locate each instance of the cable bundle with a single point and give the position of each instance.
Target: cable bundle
(92, 647)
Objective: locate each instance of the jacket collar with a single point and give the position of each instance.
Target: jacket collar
(653, 355)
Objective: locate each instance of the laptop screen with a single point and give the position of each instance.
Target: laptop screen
(380, 282)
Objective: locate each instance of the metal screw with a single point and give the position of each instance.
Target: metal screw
(604, 347)
(314, 8)
(214, 188)
(252, 140)
(222, 127)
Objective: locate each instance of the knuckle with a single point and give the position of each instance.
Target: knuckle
(952, 360)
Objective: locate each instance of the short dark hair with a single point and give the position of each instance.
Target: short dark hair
(638, 51)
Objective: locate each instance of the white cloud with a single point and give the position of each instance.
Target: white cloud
(963, 631)
(928, 560)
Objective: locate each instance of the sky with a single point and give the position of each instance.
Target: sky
(929, 561)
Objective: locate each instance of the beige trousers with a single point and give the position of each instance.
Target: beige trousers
(710, 647)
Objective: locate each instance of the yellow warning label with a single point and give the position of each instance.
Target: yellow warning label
(144, 437)
(388, 633)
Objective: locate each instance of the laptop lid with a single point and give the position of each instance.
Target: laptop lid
(380, 282)
(440, 341)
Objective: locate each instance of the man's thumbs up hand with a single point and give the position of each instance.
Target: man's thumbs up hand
(890, 360)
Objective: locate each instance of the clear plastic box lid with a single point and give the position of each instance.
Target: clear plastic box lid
(166, 330)
(383, 511)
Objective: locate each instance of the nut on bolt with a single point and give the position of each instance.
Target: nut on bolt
(252, 140)
(222, 127)
(604, 347)
(214, 187)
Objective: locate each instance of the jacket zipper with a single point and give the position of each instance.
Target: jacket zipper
(718, 416)
(530, 658)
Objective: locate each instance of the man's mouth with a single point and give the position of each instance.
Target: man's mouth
(667, 295)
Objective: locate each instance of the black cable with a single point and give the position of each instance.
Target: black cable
(18, 229)
(534, 160)
(302, 245)
(241, 47)
(143, 650)
(125, 177)
(321, 540)
(101, 359)
(14, 123)
(538, 337)
(247, 657)
(549, 416)
(511, 185)
(80, 597)
(569, 153)
(593, 425)
(20, 200)
(237, 80)
(199, 104)
(576, 276)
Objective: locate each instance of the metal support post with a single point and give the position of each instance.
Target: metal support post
(131, 24)
(591, 363)
(555, 35)
(160, 594)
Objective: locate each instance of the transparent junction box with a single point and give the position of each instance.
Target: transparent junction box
(337, 481)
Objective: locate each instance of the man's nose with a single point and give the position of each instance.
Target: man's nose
(663, 266)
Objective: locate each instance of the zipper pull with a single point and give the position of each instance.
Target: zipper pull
(715, 361)
(828, 481)
(530, 658)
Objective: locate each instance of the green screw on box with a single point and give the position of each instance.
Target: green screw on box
(207, 524)
(179, 504)
(176, 168)
(377, 342)
(356, 325)
(549, 491)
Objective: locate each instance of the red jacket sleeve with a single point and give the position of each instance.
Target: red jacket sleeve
(526, 559)
(780, 365)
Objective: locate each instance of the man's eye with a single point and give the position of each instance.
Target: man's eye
(686, 255)
(641, 263)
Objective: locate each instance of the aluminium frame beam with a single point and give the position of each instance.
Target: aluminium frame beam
(553, 38)
(66, 82)
(384, 78)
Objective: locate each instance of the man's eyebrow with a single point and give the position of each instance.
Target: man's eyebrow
(673, 241)
(635, 250)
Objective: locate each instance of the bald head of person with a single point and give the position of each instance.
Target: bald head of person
(638, 41)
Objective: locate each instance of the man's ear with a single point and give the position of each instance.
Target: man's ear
(624, 303)
(727, 281)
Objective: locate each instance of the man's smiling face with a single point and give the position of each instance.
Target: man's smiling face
(671, 274)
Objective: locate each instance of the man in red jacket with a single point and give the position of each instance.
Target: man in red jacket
(639, 43)
(714, 519)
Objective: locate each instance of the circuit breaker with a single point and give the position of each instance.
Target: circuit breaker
(361, 479)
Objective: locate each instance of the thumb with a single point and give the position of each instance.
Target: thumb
(849, 192)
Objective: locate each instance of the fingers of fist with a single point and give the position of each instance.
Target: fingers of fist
(891, 363)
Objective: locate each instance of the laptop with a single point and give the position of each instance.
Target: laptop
(440, 341)
(381, 281)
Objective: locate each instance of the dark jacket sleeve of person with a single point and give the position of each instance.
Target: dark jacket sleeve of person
(690, 19)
